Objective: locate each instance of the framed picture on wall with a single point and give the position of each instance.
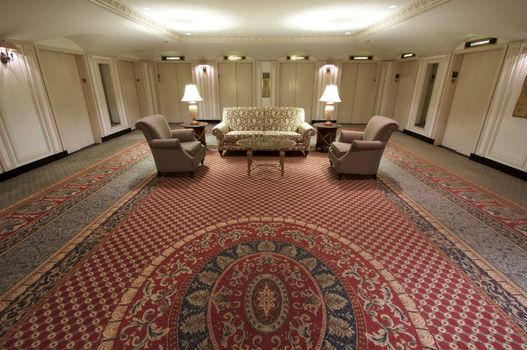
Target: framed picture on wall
(520, 110)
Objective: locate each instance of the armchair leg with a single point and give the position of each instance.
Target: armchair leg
(375, 176)
(158, 173)
(340, 176)
(221, 152)
(191, 173)
(305, 153)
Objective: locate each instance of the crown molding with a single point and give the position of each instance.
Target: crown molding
(123, 10)
(402, 15)
(407, 12)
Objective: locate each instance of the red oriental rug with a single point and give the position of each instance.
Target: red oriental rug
(224, 261)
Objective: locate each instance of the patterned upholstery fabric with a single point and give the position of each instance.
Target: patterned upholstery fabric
(242, 122)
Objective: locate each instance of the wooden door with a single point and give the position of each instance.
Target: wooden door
(130, 94)
(244, 84)
(475, 86)
(171, 81)
(405, 89)
(227, 85)
(63, 84)
(141, 89)
(305, 85)
(347, 92)
(287, 84)
(365, 92)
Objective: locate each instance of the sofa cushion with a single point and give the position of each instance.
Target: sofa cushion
(283, 118)
(291, 135)
(340, 148)
(191, 147)
(235, 135)
(244, 118)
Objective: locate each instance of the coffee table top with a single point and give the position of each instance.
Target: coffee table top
(265, 143)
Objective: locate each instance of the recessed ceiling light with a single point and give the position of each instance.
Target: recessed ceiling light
(348, 33)
(147, 8)
(188, 33)
(393, 6)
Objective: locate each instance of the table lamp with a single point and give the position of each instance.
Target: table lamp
(192, 96)
(330, 96)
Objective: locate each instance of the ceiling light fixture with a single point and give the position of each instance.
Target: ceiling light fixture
(347, 33)
(393, 6)
(361, 58)
(172, 58)
(407, 55)
(188, 33)
(297, 58)
(233, 58)
(7, 55)
(480, 42)
(147, 8)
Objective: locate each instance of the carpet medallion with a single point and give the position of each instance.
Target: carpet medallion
(224, 261)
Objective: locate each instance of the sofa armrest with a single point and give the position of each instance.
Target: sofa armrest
(359, 145)
(349, 136)
(306, 128)
(183, 134)
(165, 143)
(220, 129)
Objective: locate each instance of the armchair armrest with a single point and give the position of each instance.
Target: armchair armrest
(359, 145)
(220, 129)
(165, 143)
(306, 128)
(348, 136)
(183, 134)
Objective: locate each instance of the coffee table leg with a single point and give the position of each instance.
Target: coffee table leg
(249, 160)
(282, 159)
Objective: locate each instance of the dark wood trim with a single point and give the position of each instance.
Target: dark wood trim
(419, 136)
(33, 165)
(209, 120)
(499, 166)
(321, 121)
(116, 134)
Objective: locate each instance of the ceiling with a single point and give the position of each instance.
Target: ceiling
(206, 29)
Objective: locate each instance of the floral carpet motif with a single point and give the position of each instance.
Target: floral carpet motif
(369, 270)
(24, 218)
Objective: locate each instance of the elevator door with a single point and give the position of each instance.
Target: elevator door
(171, 81)
(130, 93)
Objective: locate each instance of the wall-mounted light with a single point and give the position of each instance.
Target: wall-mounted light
(234, 58)
(6, 55)
(407, 55)
(172, 58)
(480, 42)
(297, 58)
(329, 68)
(361, 58)
(203, 67)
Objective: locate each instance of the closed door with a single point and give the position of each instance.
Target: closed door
(358, 89)
(296, 86)
(236, 84)
(129, 88)
(475, 86)
(405, 88)
(63, 84)
(171, 81)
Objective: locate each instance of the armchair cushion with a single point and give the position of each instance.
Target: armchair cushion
(192, 147)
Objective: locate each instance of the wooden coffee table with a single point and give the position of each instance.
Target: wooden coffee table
(265, 144)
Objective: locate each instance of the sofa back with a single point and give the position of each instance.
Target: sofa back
(263, 118)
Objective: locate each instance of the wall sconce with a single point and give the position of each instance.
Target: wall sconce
(361, 58)
(329, 68)
(297, 58)
(6, 56)
(192, 96)
(234, 58)
(330, 96)
(407, 55)
(172, 58)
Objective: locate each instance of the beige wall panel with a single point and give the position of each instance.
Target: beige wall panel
(140, 85)
(405, 90)
(65, 92)
(347, 92)
(89, 98)
(365, 93)
(168, 92)
(130, 94)
(227, 85)
(245, 84)
(287, 84)
(184, 77)
(305, 84)
(474, 89)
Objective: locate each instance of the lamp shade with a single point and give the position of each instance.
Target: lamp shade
(331, 94)
(191, 94)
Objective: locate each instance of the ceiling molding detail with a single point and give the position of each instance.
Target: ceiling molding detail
(414, 9)
(127, 12)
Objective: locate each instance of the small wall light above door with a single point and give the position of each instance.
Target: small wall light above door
(6, 55)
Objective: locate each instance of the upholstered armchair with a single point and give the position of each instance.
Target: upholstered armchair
(359, 152)
(173, 150)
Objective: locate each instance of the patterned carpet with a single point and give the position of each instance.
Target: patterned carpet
(181, 263)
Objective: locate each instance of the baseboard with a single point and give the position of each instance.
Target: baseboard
(114, 135)
(33, 165)
(419, 136)
(499, 166)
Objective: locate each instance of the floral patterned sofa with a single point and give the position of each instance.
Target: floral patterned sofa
(243, 122)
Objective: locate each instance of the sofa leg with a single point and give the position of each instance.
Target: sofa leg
(340, 176)
(158, 173)
(375, 176)
(305, 153)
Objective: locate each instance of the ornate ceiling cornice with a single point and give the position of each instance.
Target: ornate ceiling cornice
(402, 15)
(405, 13)
(127, 12)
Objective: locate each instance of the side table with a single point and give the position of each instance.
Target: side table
(199, 130)
(326, 134)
